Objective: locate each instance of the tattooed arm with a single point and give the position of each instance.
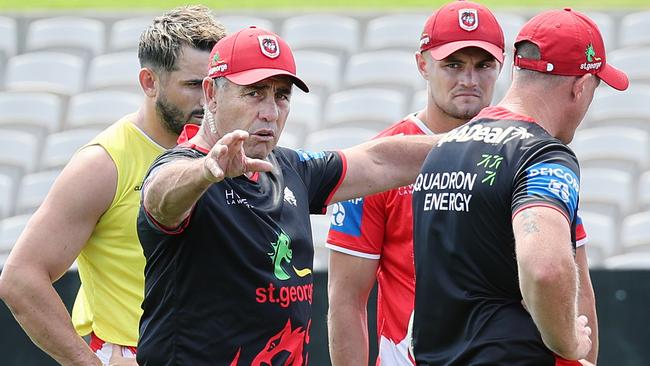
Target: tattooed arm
(548, 280)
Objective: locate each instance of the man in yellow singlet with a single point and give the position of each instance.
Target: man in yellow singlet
(90, 212)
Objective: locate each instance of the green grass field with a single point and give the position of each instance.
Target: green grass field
(8, 5)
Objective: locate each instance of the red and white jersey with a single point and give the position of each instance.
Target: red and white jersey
(380, 226)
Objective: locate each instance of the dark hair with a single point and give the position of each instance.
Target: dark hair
(161, 43)
(528, 50)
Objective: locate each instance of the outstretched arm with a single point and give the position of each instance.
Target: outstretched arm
(350, 280)
(382, 164)
(170, 194)
(47, 247)
(548, 280)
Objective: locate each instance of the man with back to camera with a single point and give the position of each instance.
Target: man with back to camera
(495, 212)
(461, 53)
(90, 212)
(224, 222)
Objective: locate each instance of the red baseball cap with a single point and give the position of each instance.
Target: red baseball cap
(251, 55)
(462, 24)
(570, 44)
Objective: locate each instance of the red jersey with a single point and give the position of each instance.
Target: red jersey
(380, 227)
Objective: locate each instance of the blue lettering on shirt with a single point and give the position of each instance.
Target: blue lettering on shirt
(305, 155)
(346, 217)
(555, 181)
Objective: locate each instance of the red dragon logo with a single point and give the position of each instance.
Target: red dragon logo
(287, 340)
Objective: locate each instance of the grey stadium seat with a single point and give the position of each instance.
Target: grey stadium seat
(66, 33)
(395, 31)
(98, 109)
(234, 23)
(322, 32)
(52, 72)
(41, 110)
(125, 33)
(59, 147)
(634, 30)
(371, 107)
(114, 71)
(32, 190)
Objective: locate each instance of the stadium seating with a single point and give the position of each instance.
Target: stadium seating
(628, 261)
(67, 34)
(100, 108)
(337, 138)
(635, 232)
(387, 69)
(33, 189)
(643, 193)
(634, 61)
(19, 149)
(59, 147)
(320, 225)
(602, 236)
(125, 33)
(335, 33)
(6, 195)
(601, 147)
(21, 110)
(233, 23)
(51, 72)
(320, 70)
(611, 107)
(607, 191)
(305, 114)
(368, 107)
(8, 37)
(10, 229)
(114, 71)
(395, 31)
(634, 30)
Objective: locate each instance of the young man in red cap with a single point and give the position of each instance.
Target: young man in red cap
(461, 54)
(224, 222)
(495, 212)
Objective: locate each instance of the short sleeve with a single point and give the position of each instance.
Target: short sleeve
(550, 177)
(357, 226)
(322, 172)
(166, 157)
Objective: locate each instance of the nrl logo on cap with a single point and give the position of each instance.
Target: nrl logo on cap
(269, 46)
(468, 19)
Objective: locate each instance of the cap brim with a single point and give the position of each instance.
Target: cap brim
(447, 49)
(614, 77)
(254, 75)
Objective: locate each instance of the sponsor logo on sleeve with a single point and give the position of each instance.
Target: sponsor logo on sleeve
(555, 181)
(346, 217)
(305, 155)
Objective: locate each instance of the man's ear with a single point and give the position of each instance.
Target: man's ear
(579, 86)
(148, 82)
(421, 61)
(210, 93)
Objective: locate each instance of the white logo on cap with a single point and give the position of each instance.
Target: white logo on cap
(468, 19)
(269, 46)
